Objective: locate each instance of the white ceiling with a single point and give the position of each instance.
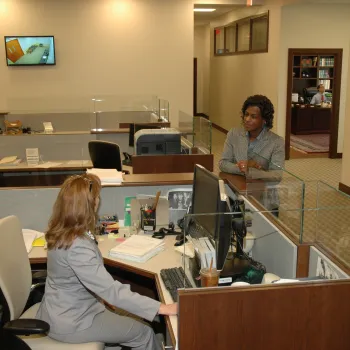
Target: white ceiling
(202, 18)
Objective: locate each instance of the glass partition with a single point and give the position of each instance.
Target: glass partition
(202, 134)
(242, 245)
(271, 187)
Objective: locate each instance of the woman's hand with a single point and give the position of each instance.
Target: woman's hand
(169, 310)
(243, 166)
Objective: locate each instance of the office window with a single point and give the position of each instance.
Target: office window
(230, 39)
(219, 39)
(243, 43)
(259, 33)
(248, 35)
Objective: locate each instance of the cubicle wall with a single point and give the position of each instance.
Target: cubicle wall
(34, 206)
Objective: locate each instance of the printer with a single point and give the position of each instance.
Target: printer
(157, 141)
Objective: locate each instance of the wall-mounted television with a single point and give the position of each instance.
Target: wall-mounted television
(30, 50)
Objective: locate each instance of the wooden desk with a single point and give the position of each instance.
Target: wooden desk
(150, 269)
(311, 120)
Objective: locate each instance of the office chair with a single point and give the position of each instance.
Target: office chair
(105, 155)
(17, 330)
(309, 94)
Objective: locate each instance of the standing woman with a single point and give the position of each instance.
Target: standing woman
(77, 278)
(249, 146)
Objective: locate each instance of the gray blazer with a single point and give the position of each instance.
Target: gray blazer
(73, 276)
(268, 151)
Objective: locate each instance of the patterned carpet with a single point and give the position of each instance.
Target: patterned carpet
(329, 226)
(316, 143)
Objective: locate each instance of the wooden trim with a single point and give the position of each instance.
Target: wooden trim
(339, 155)
(236, 23)
(218, 127)
(338, 55)
(303, 261)
(206, 116)
(344, 188)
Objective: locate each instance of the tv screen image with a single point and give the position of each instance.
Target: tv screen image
(30, 50)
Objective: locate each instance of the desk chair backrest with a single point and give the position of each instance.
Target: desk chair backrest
(15, 273)
(309, 94)
(105, 155)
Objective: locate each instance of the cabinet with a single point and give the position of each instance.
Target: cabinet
(311, 120)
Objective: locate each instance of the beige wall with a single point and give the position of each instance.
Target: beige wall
(111, 47)
(234, 78)
(202, 53)
(328, 27)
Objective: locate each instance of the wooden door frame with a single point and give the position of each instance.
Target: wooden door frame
(338, 58)
(195, 86)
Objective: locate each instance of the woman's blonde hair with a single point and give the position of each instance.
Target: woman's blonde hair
(74, 212)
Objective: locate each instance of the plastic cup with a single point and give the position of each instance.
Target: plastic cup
(209, 278)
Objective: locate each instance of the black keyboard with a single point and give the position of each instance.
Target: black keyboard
(173, 279)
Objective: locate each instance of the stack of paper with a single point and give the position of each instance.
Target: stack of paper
(107, 176)
(138, 248)
(8, 161)
(30, 236)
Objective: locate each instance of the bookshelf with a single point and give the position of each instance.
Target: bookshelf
(312, 70)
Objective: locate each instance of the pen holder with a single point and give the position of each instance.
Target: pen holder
(148, 219)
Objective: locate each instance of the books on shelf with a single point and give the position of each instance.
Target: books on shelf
(326, 83)
(327, 61)
(137, 248)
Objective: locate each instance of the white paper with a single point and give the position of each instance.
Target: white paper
(107, 176)
(48, 165)
(324, 270)
(29, 237)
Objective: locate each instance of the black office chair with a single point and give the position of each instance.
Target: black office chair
(105, 155)
(309, 94)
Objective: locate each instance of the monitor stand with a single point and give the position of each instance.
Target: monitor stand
(234, 268)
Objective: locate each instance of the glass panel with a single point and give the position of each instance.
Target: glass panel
(259, 33)
(163, 111)
(230, 38)
(243, 36)
(219, 40)
(277, 190)
(202, 131)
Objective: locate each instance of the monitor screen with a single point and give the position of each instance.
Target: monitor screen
(30, 50)
(134, 128)
(205, 198)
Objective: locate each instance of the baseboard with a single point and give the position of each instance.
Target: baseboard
(206, 116)
(218, 127)
(339, 155)
(344, 188)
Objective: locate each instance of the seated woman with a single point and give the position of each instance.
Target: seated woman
(77, 280)
(249, 146)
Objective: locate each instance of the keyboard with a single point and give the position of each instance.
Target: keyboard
(173, 279)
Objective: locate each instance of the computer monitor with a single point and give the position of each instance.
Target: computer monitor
(208, 197)
(134, 128)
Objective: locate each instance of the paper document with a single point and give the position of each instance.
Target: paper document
(7, 160)
(30, 236)
(138, 248)
(48, 165)
(107, 176)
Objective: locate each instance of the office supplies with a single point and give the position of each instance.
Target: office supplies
(138, 248)
(156, 201)
(186, 249)
(174, 279)
(48, 128)
(127, 210)
(32, 155)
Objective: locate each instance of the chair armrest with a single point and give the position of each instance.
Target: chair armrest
(27, 326)
(39, 275)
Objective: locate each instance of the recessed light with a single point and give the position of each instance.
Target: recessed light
(203, 10)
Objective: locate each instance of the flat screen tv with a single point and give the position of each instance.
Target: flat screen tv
(30, 50)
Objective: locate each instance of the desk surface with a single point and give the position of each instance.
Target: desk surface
(165, 259)
(55, 165)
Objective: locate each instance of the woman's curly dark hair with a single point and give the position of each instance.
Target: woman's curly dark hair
(264, 104)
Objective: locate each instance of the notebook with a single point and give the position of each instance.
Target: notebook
(30, 238)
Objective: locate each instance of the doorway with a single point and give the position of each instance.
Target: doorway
(313, 99)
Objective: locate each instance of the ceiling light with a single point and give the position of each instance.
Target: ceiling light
(203, 10)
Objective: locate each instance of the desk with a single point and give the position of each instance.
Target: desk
(151, 269)
(311, 120)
